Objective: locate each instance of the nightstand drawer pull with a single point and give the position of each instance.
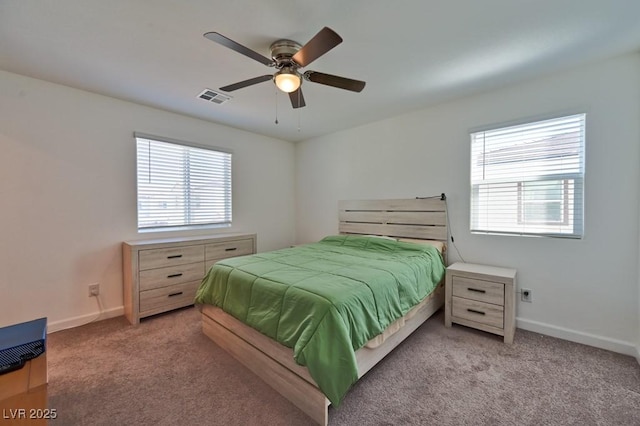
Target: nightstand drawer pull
(174, 275)
(476, 290)
(231, 249)
(175, 256)
(476, 312)
(175, 294)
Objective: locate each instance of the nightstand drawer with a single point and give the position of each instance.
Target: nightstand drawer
(163, 277)
(483, 313)
(166, 298)
(155, 258)
(474, 289)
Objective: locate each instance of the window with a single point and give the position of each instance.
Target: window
(529, 179)
(181, 185)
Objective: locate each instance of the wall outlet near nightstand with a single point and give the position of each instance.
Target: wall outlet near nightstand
(526, 295)
(94, 290)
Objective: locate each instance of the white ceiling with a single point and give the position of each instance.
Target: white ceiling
(411, 53)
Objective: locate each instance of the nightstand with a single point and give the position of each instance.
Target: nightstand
(481, 297)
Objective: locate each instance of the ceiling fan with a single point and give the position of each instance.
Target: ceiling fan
(288, 57)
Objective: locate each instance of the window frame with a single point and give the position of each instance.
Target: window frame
(572, 177)
(228, 204)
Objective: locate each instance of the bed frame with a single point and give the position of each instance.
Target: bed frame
(420, 218)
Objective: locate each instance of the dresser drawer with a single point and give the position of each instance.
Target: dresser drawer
(474, 289)
(156, 258)
(163, 277)
(480, 312)
(166, 298)
(217, 251)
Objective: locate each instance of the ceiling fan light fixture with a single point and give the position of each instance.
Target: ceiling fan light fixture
(287, 80)
(287, 57)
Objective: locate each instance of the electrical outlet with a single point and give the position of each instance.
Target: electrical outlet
(94, 290)
(526, 295)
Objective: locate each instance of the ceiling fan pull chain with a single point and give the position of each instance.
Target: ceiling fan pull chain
(299, 93)
(276, 106)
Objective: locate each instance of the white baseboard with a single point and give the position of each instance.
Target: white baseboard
(619, 346)
(52, 327)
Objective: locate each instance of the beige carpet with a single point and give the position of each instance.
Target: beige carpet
(166, 372)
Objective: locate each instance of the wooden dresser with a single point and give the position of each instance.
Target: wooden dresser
(481, 297)
(164, 274)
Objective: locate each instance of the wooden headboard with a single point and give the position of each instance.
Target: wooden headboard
(421, 218)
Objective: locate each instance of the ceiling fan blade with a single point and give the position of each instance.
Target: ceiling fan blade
(245, 83)
(335, 81)
(297, 99)
(320, 44)
(227, 42)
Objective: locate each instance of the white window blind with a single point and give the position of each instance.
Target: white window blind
(529, 179)
(181, 185)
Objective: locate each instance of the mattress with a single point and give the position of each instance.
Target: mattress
(325, 300)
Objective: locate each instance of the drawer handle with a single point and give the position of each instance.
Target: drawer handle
(231, 249)
(175, 256)
(174, 275)
(476, 312)
(477, 290)
(175, 294)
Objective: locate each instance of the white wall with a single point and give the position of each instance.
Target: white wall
(583, 290)
(68, 194)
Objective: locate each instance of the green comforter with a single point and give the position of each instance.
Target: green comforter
(327, 299)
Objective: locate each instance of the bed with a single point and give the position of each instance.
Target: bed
(345, 280)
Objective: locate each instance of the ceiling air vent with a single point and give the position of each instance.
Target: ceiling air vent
(213, 96)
